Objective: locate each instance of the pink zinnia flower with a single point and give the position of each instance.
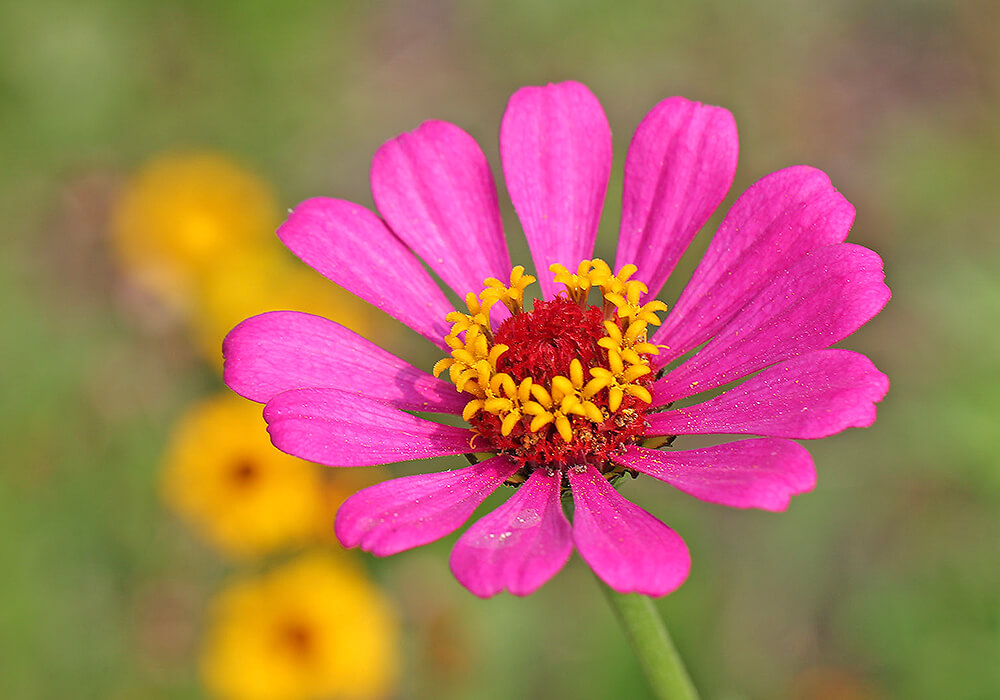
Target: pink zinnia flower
(565, 395)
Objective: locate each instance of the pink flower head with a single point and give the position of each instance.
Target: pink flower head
(566, 396)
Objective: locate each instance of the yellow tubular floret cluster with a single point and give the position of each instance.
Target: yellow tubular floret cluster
(472, 366)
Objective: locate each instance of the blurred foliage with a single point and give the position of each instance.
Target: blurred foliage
(883, 583)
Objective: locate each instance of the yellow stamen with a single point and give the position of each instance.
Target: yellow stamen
(502, 383)
(495, 352)
(441, 365)
(533, 408)
(631, 356)
(498, 405)
(471, 409)
(524, 390)
(475, 356)
(539, 421)
(615, 362)
(598, 383)
(463, 356)
(638, 391)
(511, 296)
(509, 421)
(541, 395)
(561, 386)
(593, 413)
(615, 396)
(564, 428)
(634, 372)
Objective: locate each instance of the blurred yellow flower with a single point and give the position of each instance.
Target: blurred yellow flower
(197, 231)
(222, 474)
(254, 281)
(183, 213)
(338, 486)
(314, 628)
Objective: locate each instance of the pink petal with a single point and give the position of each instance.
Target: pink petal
(520, 545)
(555, 144)
(762, 473)
(774, 223)
(810, 396)
(679, 167)
(348, 244)
(283, 350)
(627, 548)
(434, 188)
(821, 299)
(342, 429)
(401, 514)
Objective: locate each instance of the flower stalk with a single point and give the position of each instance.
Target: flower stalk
(658, 657)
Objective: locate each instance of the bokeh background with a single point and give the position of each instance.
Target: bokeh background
(883, 583)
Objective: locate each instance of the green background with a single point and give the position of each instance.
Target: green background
(884, 581)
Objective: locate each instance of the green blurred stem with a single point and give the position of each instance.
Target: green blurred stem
(649, 638)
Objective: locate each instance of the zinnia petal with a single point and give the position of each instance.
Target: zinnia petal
(284, 350)
(434, 188)
(348, 244)
(778, 220)
(679, 167)
(341, 429)
(762, 473)
(400, 514)
(627, 548)
(555, 145)
(810, 396)
(520, 545)
(824, 297)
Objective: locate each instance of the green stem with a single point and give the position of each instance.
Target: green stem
(649, 638)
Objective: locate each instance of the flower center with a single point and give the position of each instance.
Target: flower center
(564, 384)
(243, 472)
(297, 639)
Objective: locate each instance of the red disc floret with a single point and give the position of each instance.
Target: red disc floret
(544, 341)
(541, 344)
